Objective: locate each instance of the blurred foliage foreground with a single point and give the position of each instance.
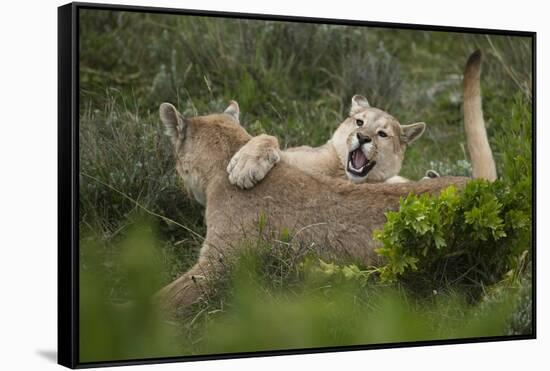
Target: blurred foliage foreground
(456, 265)
(270, 301)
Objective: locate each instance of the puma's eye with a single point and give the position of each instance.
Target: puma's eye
(382, 134)
(359, 122)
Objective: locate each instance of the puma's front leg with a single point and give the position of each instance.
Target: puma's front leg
(253, 161)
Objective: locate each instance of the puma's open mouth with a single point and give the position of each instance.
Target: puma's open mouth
(358, 164)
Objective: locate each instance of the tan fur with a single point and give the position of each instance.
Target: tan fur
(481, 156)
(333, 216)
(250, 163)
(331, 158)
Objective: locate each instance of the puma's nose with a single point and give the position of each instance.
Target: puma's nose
(363, 139)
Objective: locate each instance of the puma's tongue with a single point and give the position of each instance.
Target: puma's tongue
(358, 159)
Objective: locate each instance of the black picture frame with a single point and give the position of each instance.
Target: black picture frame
(68, 181)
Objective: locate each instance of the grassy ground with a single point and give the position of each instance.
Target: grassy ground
(291, 80)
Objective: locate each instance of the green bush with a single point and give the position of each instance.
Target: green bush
(474, 235)
(477, 236)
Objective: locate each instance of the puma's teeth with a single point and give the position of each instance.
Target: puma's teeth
(358, 164)
(358, 159)
(354, 169)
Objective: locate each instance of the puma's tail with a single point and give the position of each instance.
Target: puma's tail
(481, 156)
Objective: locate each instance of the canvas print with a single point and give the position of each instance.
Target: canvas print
(264, 185)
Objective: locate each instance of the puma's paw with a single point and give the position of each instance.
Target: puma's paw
(250, 165)
(431, 174)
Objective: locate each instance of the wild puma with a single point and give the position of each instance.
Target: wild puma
(369, 146)
(331, 215)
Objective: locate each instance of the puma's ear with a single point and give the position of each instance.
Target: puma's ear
(412, 132)
(233, 110)
(358, 103)
(173, 122)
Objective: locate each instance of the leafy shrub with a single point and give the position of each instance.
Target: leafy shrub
(474, 235)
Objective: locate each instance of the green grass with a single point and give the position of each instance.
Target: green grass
(294, 81)
(269, 298)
